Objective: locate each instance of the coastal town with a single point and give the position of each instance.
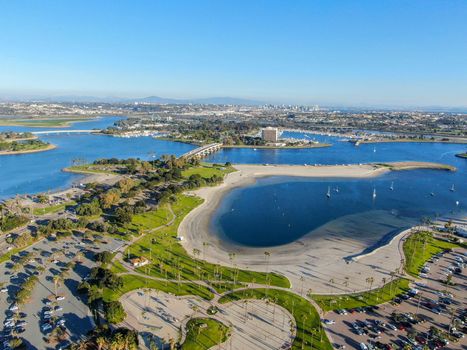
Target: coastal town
(233, 175)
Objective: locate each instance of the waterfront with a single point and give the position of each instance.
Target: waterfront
(281, 210)
(39, 172)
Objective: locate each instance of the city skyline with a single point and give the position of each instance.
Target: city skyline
(327, 53)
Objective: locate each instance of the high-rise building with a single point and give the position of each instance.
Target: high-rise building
(270, 134)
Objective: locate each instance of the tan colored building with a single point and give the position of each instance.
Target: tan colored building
(270, 134)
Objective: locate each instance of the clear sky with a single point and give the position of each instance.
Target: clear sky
(393, 52)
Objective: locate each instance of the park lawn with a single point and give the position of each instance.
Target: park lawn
(53, 208)
(419, 247)
(310, 334)
(133, 282)
(150, 220)
(170, 260)
(374, 297)
(89, 169)
(204, 333)
(207, 170)
(116, 267)
(222, 287)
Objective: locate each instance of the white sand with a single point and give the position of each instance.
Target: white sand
(316, 261)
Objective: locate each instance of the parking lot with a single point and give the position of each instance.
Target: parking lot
(45, 311)
(408, 319)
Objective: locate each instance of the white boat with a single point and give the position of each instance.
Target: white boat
(337, 189)
(432, 194)
(392, 186)
(374, 150)
(328, 194)
(452, 188)
(457, 203)
(374, 193)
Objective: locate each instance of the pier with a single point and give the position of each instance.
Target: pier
(202, 151)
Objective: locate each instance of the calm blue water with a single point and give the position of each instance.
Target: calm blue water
(276, 210)
(38, 172)
(279, 210)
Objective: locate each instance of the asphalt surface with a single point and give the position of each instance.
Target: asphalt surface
(343, 334)
(52, 255)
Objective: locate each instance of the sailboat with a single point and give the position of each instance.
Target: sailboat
(452, 188)
(374, 193)
(329, 192)
(392, 186)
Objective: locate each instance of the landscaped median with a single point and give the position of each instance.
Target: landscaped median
(419, 247)
(370, 298)
(309, 333)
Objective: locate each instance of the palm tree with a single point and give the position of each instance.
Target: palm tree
(101, 343)
(57, 279)
(266, 256)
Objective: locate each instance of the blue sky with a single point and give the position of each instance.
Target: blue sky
(411, 52)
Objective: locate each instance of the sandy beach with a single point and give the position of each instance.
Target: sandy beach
(319, 261)
(48, 148)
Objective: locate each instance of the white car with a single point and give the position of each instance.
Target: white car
(46, 327)
(363, 346)
(325, 321)
(13, 307)
(4, 290)
(60, 298)
(61, 322)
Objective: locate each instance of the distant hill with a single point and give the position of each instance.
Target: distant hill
(149, 99)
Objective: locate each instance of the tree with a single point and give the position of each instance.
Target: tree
(114, 312)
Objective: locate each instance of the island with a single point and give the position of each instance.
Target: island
(21, 143)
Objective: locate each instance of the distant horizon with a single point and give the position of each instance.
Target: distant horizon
(236, 100)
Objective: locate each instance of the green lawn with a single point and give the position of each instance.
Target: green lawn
(374, 297)
(204, 333)
(149, 220)
(170, 260)
(310, 334)
(89, 169)
(53, 208)
(419, 248)
(207, 170)
(226, 286)
(133, 282)
(116, 267)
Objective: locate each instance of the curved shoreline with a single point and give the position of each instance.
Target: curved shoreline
(320, 255)
(48, 148)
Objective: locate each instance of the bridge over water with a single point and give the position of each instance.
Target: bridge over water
(202, 151)
(54, 132)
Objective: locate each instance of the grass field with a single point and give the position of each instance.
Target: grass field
(41, 122)
(133, 282)
(170, 260)
(149, 220)
(419, 248)
(374, 297)
(53, 208)
(204, 333)
(310, 334)
(88, 169)
(207, 170)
